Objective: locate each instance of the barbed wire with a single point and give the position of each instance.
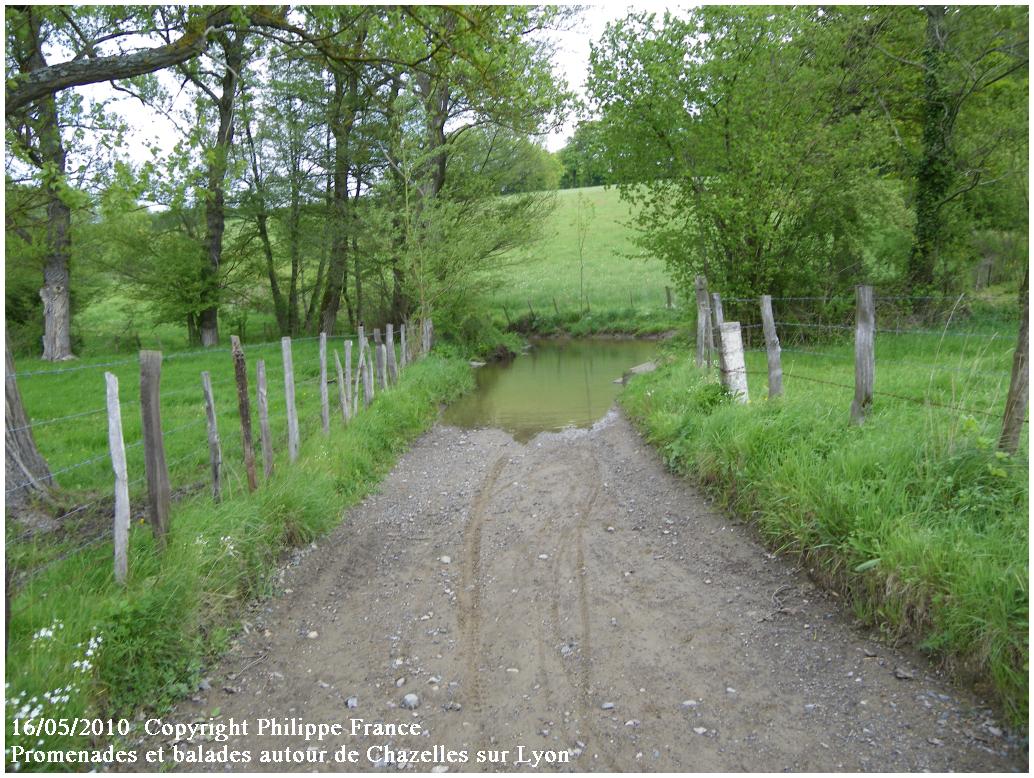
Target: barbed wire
(881, 393)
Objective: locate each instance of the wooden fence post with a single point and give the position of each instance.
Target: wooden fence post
(703, 352)
(775, 364)
(403, 355)
(718, 317)
(293, 440)
(1016, 403)
(240, 370)
(734, 370)
(117, 446)
(393, 366)
(341, 386)
(262, 398)
(667, 294)
(348, 380)
(378, 360)
(864, 353)
(215, 449)
(159, 493)
(369, 385)
(324, 395)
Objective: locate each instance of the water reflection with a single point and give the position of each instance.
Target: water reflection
(557, 384)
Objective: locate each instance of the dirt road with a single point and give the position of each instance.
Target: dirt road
(570, 597)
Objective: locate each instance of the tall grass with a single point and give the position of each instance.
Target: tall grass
(914, 516)
(179, 607)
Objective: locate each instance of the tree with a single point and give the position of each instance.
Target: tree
(971, 64)
(583, 158)
(745, 140)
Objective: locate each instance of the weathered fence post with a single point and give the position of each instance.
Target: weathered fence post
(703, 353)
(1016, 403)
(341, 386)
(773, 352)
(293, 440)
(324, 395)
(117, 446)
(734, 370)
(378, 361)
(367, 370)
(215, 450)
(159, 493)
(262, 398)
(382, 370)
(403, 355)
(718, 317)
(348, 380)
(864, 353)
(240, 370)
(667, 294)
(393, 366)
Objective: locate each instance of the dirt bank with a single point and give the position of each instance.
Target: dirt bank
(571, 596)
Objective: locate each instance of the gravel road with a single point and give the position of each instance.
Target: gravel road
(571, 598)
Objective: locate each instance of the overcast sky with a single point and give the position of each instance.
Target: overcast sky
(572, 60)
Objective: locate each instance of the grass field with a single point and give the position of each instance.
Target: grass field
(914, 517)
(624, 292)
(81, 645)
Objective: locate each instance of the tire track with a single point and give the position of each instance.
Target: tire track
(470, 594)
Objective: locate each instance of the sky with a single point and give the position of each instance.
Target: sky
(571, 63)
(572, 56)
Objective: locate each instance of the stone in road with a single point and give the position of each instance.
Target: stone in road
(571, 596)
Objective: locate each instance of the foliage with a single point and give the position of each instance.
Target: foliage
(762, 147)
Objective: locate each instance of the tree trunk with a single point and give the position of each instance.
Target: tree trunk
(341, 125)
(27, 474)
(262, 222)
(935, 169)
(55, 293)
(215, 199)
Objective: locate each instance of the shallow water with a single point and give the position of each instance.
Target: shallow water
(557, 384)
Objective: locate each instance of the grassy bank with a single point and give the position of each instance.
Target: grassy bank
(551, 288)
(914, 516)
(79, 645)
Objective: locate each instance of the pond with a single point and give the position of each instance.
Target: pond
(557, 384)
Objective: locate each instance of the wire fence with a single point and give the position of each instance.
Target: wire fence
(62, 436)
(958, 367)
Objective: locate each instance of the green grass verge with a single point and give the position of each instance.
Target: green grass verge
(179, 607)
(913, 516)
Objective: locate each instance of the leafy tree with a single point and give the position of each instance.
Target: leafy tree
(583, 158)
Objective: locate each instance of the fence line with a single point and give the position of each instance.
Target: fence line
(156, 473)
(864, 357)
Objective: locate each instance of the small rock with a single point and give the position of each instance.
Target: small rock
(543, 556)
(700, 730)
(995, 731)
(512, 670)
(323, 684)
(610, 529)
(400, 682)
(903, 674)
(607, 706)
(410, 701)
(868, 652)
(445, 560)
(313, 635)
(730, 690)
(453, 705)
(205, 685)
(632, 723)
(689, 703)
(231, 689)
(935, 741)
(566, 650)
(352, 703)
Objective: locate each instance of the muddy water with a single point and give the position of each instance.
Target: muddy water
(557, 384)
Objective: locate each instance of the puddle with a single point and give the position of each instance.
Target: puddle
(556, 385)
